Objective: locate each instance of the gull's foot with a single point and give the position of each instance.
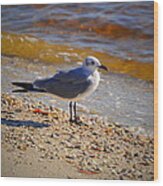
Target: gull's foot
(74, 120)
(71, 120)
(77, 121)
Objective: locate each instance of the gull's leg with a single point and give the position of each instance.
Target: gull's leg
(70, 109)
(75, 116)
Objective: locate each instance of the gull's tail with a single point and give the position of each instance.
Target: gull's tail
(26, 87)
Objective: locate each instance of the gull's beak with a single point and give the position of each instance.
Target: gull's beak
(103, 67)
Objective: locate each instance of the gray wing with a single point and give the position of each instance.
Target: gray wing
(66, 84)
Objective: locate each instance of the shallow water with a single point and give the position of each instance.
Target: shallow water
(32, 48)
(123, 30)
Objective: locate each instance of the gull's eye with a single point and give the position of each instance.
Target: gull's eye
(92, 62)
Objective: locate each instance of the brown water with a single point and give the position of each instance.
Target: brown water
(121, 31)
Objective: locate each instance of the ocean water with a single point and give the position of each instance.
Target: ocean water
(121, 29)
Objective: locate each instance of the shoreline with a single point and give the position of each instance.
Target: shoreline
(121, 99)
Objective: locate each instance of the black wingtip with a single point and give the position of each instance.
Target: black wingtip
(24, 85)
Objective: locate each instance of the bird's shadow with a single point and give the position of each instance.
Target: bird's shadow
(19, 123)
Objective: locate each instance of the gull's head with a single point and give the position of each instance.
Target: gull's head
(93, 64)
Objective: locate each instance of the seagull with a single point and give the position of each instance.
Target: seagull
(72, 85)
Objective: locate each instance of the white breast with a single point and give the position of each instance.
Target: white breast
(95, 79)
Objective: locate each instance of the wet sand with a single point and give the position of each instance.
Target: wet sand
(39, 141)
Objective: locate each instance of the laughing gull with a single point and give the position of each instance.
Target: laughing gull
(72, 85)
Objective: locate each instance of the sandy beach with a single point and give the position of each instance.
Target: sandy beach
(39, 141)
(43, 143)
